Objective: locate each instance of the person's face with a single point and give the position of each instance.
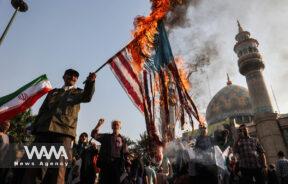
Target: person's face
(70, 79)
(131, 157)
(5, 126)
(116, 127)
(83, 139)
(158, 154)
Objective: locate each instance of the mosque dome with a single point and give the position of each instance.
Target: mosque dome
(232, 101)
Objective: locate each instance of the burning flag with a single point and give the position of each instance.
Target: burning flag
(147, 71)
(23, 98)
(139, 83)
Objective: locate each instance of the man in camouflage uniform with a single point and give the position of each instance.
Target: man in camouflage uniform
(57, 122)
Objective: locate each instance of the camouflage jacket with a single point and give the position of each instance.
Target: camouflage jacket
(59, 111)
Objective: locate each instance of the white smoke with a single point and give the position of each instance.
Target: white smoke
(209, 30)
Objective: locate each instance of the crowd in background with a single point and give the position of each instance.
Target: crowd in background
(114, 163)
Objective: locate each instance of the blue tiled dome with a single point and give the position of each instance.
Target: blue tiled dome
(230, 101)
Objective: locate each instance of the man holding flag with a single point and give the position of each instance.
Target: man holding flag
(57, 121)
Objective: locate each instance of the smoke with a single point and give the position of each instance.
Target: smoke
(203, 56)
(177, 17)
(182, 153)
(203, 33)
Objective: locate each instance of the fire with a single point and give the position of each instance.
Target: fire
(183, 72)
(145, 30)
(141, 49)
(202, 120)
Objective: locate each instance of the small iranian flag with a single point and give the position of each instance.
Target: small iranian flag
(23, 98)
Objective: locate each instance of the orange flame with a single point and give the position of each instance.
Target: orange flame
(145, 30)
(183, 72)
(202, 121)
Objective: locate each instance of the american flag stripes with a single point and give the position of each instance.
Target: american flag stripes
(148, 87)
(121, 66)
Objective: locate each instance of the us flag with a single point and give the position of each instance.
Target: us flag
(138, 86)
(148, 87)
(131, 81)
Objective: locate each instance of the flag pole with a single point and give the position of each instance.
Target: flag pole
(18, 5)
(108, 61)
(102, 66)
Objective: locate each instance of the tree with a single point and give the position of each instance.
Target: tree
(141, 146)
(19, 125)
(130, 143)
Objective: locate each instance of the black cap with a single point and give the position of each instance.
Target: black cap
(71, 72)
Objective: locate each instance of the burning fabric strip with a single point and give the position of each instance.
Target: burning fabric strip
(156, 87)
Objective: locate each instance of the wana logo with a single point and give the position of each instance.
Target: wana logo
(44, 153)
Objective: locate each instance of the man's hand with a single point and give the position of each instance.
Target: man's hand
(91, 77)
(100, 123)
(94, 132)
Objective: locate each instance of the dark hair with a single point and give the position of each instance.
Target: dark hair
(4, 125)
(84, 134)
(280, 154)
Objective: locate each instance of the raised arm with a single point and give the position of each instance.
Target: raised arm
(95, 132)
(89, 88)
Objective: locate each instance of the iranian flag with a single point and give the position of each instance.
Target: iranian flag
(23, 98)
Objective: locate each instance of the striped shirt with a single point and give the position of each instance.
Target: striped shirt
(282, 167)
(249, 151)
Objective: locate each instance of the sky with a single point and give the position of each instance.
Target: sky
(54, 35)
(209, 29)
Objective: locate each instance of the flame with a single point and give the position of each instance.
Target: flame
(202, 120)
(143, 44)
(156, 85)
(145, 30)
(183, 72)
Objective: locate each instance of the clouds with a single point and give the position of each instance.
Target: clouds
(209, 27)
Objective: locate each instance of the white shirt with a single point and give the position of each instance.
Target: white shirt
(68, 87)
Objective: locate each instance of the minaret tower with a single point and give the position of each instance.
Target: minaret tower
(251, 66)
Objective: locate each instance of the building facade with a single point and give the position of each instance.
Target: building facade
(250, 106)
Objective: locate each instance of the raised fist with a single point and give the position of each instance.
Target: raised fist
(91, 77)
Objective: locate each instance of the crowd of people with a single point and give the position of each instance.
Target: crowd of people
(114, 163)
